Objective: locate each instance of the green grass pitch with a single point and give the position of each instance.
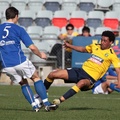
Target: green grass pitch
(82, 106)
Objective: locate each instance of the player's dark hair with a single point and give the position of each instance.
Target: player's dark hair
(86, 29)
(69, 25)
(110, 35)
(11, 12)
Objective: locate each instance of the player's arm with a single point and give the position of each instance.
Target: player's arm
(77, 48)
(118, 76)
(29, 44)
(109, 77)
(114, 86)
(35, 50)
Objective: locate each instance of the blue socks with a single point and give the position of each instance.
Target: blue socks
(28, 94)
(41, 91)
(113, 87)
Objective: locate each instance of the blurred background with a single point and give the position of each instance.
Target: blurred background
(46, 21)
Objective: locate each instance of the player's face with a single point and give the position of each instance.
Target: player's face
(105, 43)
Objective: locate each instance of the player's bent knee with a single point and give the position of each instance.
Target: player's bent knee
(53, 75)
(81, 84)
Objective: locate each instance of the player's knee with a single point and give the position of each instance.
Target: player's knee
(81, 84)
(51, 75)
(54, 75)
(23, 82)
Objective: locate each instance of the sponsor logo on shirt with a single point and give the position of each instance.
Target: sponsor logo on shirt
(2, 42)
(96, 59)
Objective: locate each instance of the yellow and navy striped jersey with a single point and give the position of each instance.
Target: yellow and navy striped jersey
(99, 62)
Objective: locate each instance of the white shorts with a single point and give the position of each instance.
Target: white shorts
(99, 90)
(24, 70)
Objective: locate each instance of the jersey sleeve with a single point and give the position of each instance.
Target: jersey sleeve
(89, 48)
(111, 72)
(25, 38)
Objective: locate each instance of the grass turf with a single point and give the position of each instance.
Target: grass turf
(82, 106)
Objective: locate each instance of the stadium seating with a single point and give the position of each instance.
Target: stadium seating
(43, 18)
(95, 19)
(51, 32)
(43, 47)
(99, 30)
(4, 4)
(19, 4)
(78, 18)
(116, 5)
(35, 5)
(9, 1)
(50, 36)
(52, 5)
(35, 32)
(111, 20)
(0, 17)
(87, 5)
(26, 18)
(69, 5)
(37, 61)
(3, 18)
(60, 18)
(104, 4)
(51, 43)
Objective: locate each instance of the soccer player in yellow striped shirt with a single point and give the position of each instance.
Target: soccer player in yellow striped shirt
(102, 56)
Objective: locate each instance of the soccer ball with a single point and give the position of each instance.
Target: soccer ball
(38, 100)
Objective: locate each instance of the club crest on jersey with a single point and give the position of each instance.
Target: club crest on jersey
(106, 54)
(96, 59)
(96, 48)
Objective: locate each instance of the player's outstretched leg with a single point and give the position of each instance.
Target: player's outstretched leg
(75, 89)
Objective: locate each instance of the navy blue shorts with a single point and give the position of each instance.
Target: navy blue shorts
(77, 74)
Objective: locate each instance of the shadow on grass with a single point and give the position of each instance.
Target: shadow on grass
(86, 108)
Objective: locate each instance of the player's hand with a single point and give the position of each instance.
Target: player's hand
(66, 44)
(43, 55)
(118, 86)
